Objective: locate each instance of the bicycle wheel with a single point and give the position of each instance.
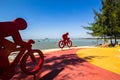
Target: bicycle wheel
(69, 44)
(61, 44)
(32, 66)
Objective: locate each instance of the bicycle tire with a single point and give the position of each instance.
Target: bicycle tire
(69, 44)
(27, 66)
(61, 44)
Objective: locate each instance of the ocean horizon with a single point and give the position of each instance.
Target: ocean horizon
(49, 43)
(53, 43)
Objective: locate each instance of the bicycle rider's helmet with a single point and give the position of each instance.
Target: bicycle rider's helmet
(67, 33)
(21, 23)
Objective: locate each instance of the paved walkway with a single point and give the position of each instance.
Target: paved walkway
(106, 58)
(67, 65)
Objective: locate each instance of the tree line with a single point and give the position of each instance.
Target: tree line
(107, 21)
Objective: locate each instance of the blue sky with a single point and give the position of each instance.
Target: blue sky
(51, 18)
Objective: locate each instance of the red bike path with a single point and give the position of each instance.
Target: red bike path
(66, 65)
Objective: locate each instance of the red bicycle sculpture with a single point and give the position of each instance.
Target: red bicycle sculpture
(63, 43)
(25, 57)
(31, 60)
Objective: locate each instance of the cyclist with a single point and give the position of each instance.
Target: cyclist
(65, 37)
(10, 29)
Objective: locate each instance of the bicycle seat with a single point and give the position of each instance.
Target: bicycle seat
(31, 41)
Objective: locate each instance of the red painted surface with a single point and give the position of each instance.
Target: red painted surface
(66, 65)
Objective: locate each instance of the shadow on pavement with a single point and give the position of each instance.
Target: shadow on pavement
(51, 75)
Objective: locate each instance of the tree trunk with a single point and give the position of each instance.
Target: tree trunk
(111, 40)
(116, 40)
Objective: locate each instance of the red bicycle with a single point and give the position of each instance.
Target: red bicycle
(31, 61)
(63, 43)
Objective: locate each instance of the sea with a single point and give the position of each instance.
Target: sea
(53, 43)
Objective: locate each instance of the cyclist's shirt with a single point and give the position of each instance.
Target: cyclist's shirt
(65, 37)
(11, 29)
